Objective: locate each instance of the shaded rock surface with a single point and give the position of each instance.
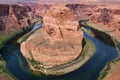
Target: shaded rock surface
(82, 11)
(15, 17)
(58, 42)
(38, 10)
(107, 18)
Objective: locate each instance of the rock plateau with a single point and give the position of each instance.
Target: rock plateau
(58, 42)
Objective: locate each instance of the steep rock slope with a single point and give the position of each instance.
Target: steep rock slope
(82, 11)
(107, 18)
(15, 17)
(38, 10)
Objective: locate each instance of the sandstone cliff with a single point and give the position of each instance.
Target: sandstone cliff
(107, 18)
(58, 42)
(82, 11)
(15, 17)
(38, 9)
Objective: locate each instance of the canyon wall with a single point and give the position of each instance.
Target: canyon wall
(104, 16)
(107, 19)
(38, 9)
(14, 17)
(81, 11)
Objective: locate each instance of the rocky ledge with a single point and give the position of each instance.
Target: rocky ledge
(58, 42)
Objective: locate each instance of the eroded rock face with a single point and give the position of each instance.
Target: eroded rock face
(15, 17)
(105, 16)
(58, 42)
(38, 10)
(108, 20)
(82, 11)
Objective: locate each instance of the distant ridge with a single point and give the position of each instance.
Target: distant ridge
(60, 1)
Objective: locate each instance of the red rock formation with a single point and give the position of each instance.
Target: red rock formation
(38, 9)
(58, 42)
(81, 11)
(106, 16)
(107, 19)
(15, 17)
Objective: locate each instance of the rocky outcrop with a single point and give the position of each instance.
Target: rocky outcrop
(104, 16)
(107, 18)
(38, 9)
(15, 17)
(81, 11)
(58, 42)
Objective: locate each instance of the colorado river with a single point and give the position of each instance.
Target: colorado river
(18, 67)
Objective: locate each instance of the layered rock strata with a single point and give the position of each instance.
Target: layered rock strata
(107, 19)
(58, 42)
(14, 17)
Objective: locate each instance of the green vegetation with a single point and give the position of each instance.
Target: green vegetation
(26, 36)
(35, 64)
(117, 44)
(4, 36)
(87, 31)
(105, 71)
(107, 68)
(115, 60)
(88, 48)
(103, 36)
(4, 72)
(87, 52)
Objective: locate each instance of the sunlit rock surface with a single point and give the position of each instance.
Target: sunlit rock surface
(58, 42)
